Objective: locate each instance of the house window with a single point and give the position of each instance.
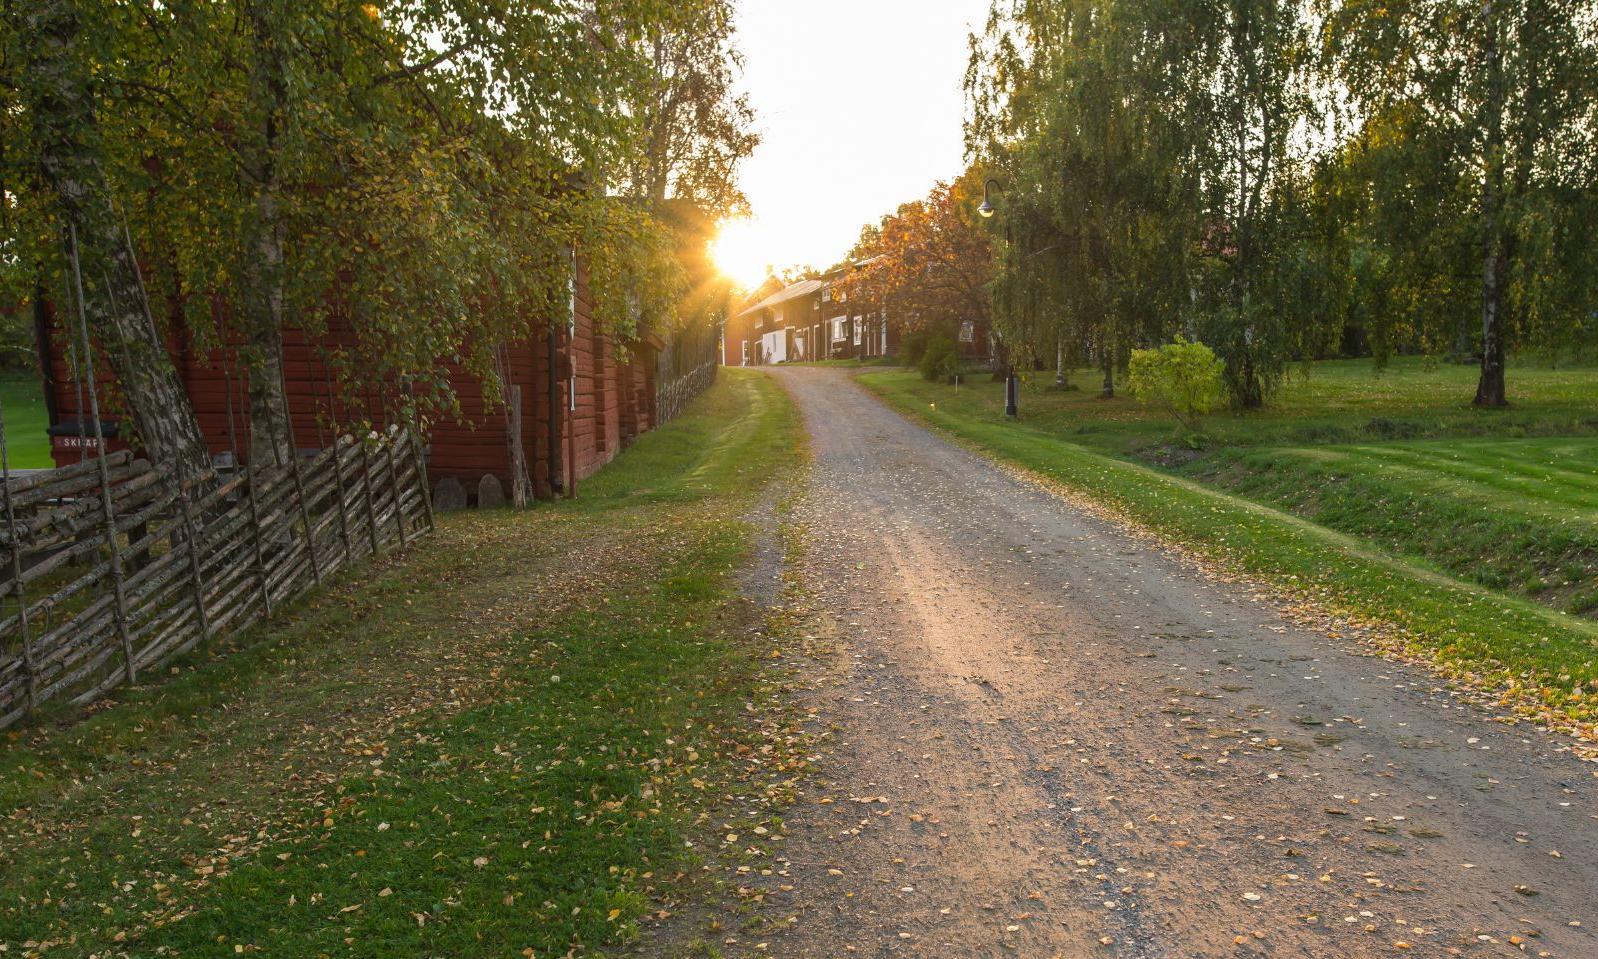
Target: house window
(857, 330)
(826, 295)
(839, 330)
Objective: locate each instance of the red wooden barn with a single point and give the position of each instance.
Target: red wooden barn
(578, 385)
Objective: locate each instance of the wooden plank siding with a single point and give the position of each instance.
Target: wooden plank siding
(615, 398)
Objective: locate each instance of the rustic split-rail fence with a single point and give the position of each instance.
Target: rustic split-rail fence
(672, 396)
(113, 565)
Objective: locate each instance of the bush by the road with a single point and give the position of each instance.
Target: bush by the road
(1183, 378)
(941, 361)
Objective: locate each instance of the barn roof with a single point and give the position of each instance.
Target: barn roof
(789, 292)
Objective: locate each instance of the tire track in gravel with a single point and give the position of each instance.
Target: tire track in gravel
(1054, 739)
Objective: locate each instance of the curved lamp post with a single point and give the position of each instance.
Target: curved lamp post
(987, 209)
(1012, 389)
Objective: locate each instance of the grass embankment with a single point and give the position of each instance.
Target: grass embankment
(495, 744)
(22, 399)
(1514, 515)
(1548, 660)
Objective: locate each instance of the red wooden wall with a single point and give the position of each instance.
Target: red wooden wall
(614, 399)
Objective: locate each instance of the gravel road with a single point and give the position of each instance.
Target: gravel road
(1054, 738)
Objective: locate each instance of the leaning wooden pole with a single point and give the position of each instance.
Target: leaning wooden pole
(391, 455)
(341, 495)
(421, 476)
(255, 539)
(118, 580)
(191, 535)
(371, 497)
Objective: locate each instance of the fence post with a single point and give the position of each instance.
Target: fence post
(117, 574)
(255, 538)
(421, 476)
(305, 518)
(371, 499)
(196, 577)
(341, 492)
(389, 452)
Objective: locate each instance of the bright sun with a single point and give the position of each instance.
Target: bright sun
(743, 252)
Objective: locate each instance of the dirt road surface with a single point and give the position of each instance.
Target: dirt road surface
(1054, 738)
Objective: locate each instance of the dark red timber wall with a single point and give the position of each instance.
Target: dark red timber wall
(604, 396)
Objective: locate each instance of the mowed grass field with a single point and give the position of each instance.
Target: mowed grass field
(27, 446)
(1519, 515)
(1337, 401)
(513, 739)
(1384, 495)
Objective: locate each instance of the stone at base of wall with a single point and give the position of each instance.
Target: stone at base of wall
(490, 492)
(449, 495)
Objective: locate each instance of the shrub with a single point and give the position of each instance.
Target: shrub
(913, 346)
(941, 359)
(1182, 378)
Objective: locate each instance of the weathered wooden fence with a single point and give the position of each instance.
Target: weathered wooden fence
(670, 398)
(110, 567)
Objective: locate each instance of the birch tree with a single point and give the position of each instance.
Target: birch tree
(1505, 90)
(52, 42)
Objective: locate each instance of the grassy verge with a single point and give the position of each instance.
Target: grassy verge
(27, 445)
(1514, 515)
(1545, 662)
(502, 742)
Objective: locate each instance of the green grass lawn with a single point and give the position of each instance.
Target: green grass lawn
(1547, 659)
(1513, 514)
(27, 445)
(1338, 401)
(499, 743)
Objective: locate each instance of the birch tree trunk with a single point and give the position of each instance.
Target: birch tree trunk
(71, 159)
(1490, 387)
(263, 267)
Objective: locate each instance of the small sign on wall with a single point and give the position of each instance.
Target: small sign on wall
(75, 442)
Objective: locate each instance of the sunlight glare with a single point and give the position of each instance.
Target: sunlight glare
(743, 252)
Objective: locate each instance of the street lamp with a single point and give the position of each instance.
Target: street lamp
(1012, 387)
(987, 208)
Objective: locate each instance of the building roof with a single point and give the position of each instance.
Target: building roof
(790, 292)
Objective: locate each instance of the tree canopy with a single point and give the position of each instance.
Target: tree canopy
(929, 263)
(420, 169)
(1269, 175)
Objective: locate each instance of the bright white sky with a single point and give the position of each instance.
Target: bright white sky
(860, 104)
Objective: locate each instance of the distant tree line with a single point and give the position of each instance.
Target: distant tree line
(1286, 179)
(424, 168)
